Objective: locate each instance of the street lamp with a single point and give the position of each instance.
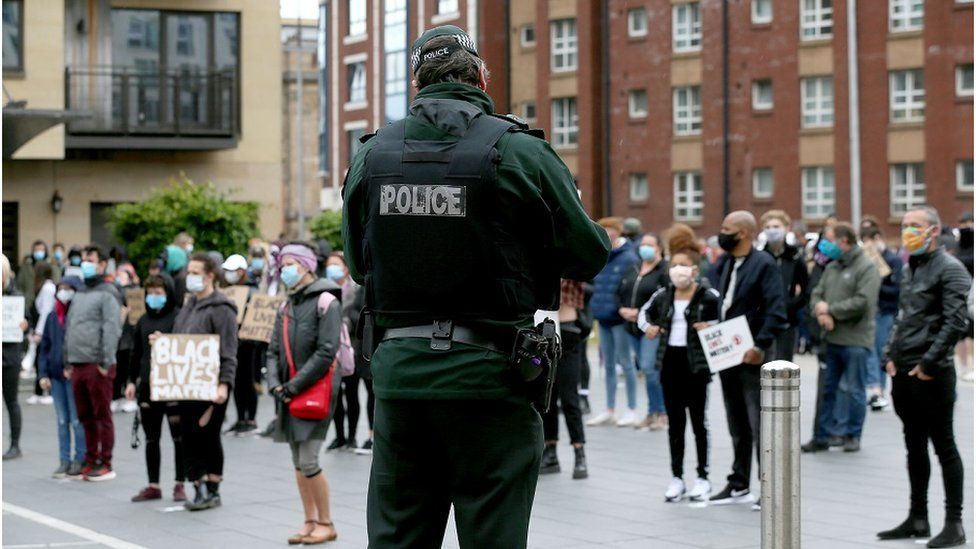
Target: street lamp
(57, 202)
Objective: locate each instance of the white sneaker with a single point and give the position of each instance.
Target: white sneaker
(46, 400)
(130, 406)
(675, 491)
(33, 399)
(605, 418)
(756, 507)
(114, 406)
(701, 490)
(628, 419)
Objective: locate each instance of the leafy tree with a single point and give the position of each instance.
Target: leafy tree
(214, 222)
(328, 226)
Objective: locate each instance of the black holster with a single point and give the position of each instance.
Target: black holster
(534, 359)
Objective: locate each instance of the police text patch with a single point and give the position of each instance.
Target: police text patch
(429, 200)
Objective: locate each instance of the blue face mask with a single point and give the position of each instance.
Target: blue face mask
(335, 273)
(257, 264)
(647, 253)
(290, 276)
(75, 260)
(58, 255)
(155, 302)
(830, 249)
(88, 270)
(39, 255)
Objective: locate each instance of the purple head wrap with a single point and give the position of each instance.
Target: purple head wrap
(302, 254)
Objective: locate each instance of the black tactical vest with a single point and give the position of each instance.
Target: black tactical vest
(436, 245)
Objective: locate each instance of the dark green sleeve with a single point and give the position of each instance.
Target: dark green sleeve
(354, 216)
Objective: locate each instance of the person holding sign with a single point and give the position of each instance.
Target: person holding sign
(675, 313)
(250, 353)
(303, 351)
(13, 354)
(207, 311)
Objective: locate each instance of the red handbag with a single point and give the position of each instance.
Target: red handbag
(313, 403)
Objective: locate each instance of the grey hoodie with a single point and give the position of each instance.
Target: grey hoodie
(93, 325)
(214, 314)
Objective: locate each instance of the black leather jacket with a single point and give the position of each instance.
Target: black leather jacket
(932, 313)
(703, 307)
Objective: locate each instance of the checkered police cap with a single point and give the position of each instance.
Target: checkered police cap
(464, 41)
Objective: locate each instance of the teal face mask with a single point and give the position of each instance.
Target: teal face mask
(155, 302)
(830, 249)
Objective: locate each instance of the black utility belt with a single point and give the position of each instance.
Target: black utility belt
(442, 333)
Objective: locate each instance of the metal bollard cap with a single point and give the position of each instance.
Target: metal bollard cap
(780, 369)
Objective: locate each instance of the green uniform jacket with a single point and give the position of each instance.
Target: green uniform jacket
(530, 172)
(850, 287)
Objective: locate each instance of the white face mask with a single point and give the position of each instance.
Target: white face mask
(232, 277)
(194, 283)
(65, 296)
(682, 276)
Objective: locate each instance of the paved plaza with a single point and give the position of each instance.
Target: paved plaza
(846, 498)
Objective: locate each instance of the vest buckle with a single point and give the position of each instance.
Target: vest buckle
(440, 336)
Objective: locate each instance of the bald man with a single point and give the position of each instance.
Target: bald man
(750, 285)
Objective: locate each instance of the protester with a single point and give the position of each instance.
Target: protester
(932, 310)
(632, 230)
(567, 383)
(43, 306)
(303, 350)
(844, 302)
(160, 317)
(13, 354)
(793, 270)
(184, 241)
(60, 258)
(615, 341)
(675, 314)
(250, 354)
(207, 311)
(884, 319)
(750, 285)
(26, 279)
(636, 288)
(586, 325)
(352, 306)
(50, 359)
(256, 268)
(964, 349)
(92, 331)
(125, 278)
(176, 258)
(347, 405)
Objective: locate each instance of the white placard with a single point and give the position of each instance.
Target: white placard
(541, 315)
(726, 343)
(184, 367)
(13, 313)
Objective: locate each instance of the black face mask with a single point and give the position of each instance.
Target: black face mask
(966, 237)
(728, 241)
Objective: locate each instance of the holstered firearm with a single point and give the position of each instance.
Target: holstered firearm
(535, 357)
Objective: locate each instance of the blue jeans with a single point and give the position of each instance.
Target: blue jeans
(843, 404)
(615, 349)
(876, 377)
(646, 351)
(67, 414)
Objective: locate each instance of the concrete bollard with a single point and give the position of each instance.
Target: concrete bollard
(780, 456)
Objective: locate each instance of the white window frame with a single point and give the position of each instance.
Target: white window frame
(689, 196)
(563, 47)
(522, 39)
(565, 109)
(352, 102)
(687, 119)
(634, 15)
(961, 185)
(758, 19)
(913, 181)
(447, 7)
(356, 27)
(525, 111)
(906, 15)
(633, 111)
(907, 105)
(814, 179)
(757, 103)
(817, 109)
(686, 36)
(816, 20)
(640, 190)
(757, 179)
(960, 90)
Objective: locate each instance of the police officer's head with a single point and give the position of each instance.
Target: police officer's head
(447, 54)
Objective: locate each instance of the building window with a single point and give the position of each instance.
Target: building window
(818, 192)
(637, 103)
(565, 122)
(688, 196)
(13, 35)
(354, 144)
(964, 176)
(762, 11)
(638, 187)
(446, 7)
(637, 22)
(905, 15)
(964, 80)
(907, 187)
(563, 45)
(357, 83)
(396, 78)
(687, 111)
(816, 19)
(907, 96)
(686, 27)
(527, 35)
(357, 17)
(762, 183)
(762, 95)
(528, 110)
(817, 99)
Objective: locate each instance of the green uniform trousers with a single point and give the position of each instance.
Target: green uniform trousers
(481, 456)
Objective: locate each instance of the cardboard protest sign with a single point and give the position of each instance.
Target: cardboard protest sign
(13, 313)
(239, 295)
(260, 318)
(185, 367)
(875, 256)
(726, 343)
(135, 300)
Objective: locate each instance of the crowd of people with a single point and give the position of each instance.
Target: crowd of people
(838, 293)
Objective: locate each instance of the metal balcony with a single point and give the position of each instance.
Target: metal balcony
(166, 109)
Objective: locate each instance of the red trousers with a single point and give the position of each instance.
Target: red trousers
(93, 398)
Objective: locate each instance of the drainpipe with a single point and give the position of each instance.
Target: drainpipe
(854, 117)
(605, 85)
(726, 165)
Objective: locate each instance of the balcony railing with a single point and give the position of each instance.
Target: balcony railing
(168, 108)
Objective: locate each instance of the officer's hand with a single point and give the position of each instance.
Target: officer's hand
(653, 332)
(917, 372)
(890, 368)
(45, 383)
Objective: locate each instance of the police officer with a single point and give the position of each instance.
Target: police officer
(459, 223)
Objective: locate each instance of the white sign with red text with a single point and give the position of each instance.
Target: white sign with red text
(726, 343)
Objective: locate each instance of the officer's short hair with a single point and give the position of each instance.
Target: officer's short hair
(460, 66)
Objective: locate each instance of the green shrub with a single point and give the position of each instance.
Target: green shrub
(328, 226)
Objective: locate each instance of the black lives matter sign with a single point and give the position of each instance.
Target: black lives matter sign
(259, 320)
(184, 367)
